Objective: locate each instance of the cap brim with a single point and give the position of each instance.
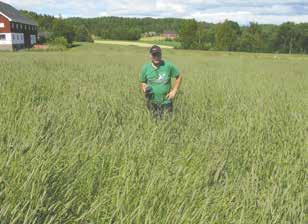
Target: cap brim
(154, 52)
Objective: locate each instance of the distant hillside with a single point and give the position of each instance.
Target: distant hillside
(227, 36)
(103, 26)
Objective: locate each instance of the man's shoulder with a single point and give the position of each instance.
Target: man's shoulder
(146, 65)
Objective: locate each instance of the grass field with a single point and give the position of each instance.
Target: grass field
(77, 144)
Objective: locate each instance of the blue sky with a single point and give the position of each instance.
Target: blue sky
(261, 11)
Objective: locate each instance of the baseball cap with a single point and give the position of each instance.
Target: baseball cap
(155, 49)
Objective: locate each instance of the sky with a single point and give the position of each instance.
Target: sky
(215, 11)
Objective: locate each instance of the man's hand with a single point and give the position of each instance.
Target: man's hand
(171, 94)
(144, 87)
(176, 86)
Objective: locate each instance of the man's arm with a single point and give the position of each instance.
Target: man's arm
(175, 88)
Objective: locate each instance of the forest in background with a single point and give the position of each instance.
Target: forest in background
(227, 36)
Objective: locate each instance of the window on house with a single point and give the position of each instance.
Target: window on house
(17, 35)
(13, 36)
(2, 37)
(1, 25)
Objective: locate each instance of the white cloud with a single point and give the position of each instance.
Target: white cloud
(243, 17)
(29, 3)
(172, 7)
(262, 11)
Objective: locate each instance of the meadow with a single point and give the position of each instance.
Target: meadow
(77, 144)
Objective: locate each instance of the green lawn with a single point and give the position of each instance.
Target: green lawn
(77, 144)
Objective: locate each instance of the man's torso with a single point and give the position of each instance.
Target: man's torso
(159, 78)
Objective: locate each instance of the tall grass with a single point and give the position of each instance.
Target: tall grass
(77, 144)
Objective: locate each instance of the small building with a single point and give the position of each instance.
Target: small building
(170, 35)
(16, 31)
(150, 34)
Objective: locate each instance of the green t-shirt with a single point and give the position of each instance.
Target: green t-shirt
(159, 79)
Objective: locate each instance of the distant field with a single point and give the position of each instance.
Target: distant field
(160, 41)
(129, 43)
(153, 38)
(77, 144)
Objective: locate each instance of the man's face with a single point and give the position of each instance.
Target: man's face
(156, 57)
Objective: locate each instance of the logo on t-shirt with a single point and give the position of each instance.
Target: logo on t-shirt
(162, 79)
(161, 76)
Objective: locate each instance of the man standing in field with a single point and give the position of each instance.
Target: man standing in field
(155, 81)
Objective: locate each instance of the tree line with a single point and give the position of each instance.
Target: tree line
(226, 36)
(229, 36)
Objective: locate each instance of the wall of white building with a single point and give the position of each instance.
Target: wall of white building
(7, 38)
(12, 38)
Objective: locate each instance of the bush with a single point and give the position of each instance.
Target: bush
(44, 37)
(59, 42)
(82, 34)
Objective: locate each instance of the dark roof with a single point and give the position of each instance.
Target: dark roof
(14, 15)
